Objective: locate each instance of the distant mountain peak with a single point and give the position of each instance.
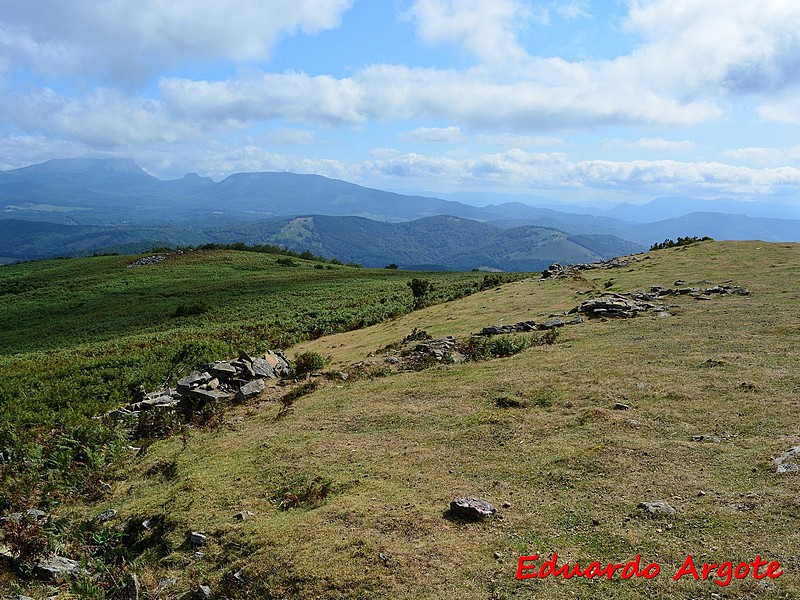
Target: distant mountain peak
(119, 166)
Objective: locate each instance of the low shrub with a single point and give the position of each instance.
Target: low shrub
(307, 362)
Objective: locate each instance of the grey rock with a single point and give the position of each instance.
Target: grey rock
(657, 508)
(33, 514)
(787, 467)
(56, 568)
(198, 539)
(207, 395)
(621, 406)
(194, 379)
(106, 515)
(785, 462)
(222, 369)
(250, 390)
(278, 362)
(203, 593)
(262, 368)
(243, 368)
(551, 324)
(680, 282)
(243, 516)
(707, 439)
(473, 508)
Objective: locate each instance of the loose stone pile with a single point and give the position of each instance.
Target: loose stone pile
(612, 305)
(239, 380)
(528, 326)
(148, 260)
(447, 348)
(557, 271)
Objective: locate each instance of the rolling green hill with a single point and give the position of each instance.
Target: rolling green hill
(448, 243)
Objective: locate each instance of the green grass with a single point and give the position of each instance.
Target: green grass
(370, 465)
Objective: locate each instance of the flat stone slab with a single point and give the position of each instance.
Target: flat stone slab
(472, 508)
(57, 568)
(250, 390)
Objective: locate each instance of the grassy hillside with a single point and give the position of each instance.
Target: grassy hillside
(374, 460)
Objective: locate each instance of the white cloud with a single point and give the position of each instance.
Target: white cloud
(485, 29)
(653, 144)
(764, 156)
(294, 97)
(129, 40)
(104, 119)
(442, 135)
(784, 109)
(523, 170)
(740, 47)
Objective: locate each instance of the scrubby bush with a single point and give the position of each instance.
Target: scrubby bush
(307, 362)
(420, 288)
(681, 241)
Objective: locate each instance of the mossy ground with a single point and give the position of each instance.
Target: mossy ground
(395, 450)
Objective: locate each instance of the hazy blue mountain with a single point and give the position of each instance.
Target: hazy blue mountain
(443, 241)
(671, 207)
(114, 204)
(716, 225)
(111, 191)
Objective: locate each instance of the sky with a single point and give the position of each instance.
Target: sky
(573, 100)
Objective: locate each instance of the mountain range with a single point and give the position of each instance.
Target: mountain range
(79, 206)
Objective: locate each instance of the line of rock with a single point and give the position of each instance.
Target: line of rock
(238, 380)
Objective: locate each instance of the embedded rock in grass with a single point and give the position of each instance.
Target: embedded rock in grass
(552, 324)
(708, 439)
(106, 515)
(203, 593)
(784, 462)
(657, 508)
(472, 508)
(198, 539)
(57, 568)
(34, 514)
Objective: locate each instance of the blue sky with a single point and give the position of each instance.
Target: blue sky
(575, 100)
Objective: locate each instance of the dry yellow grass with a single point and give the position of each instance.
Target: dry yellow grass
(397, 449)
